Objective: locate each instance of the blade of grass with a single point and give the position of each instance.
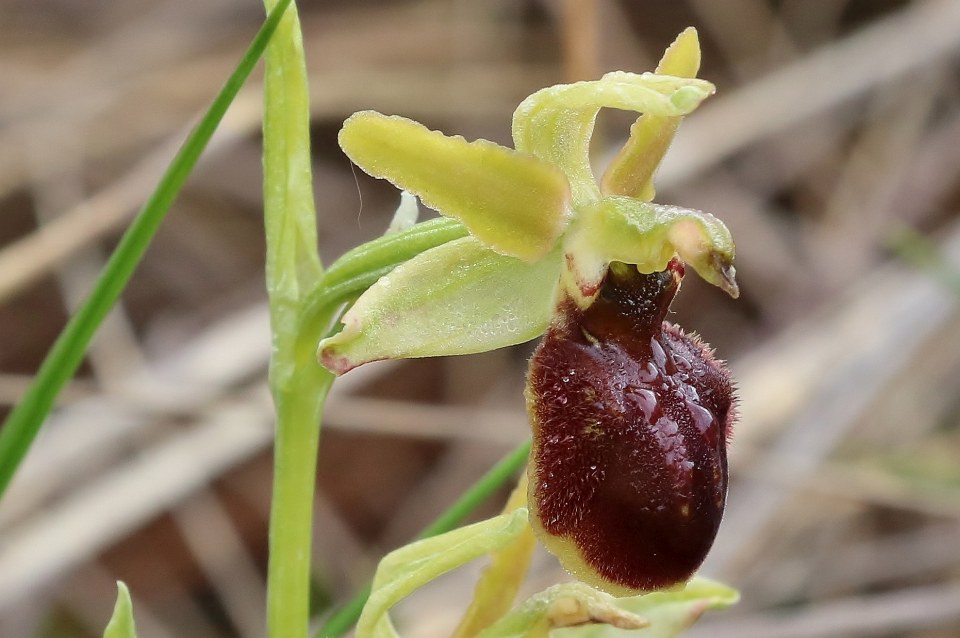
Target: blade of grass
(21, 427)
(924, 255)
(346, 616)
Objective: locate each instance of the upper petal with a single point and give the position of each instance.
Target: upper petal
(556, 123)
(458, 298)
(631, 171)
(511, 201)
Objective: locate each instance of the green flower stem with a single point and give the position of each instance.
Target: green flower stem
(298, 383)
(291, 513)
(345, 617)
(21, 427)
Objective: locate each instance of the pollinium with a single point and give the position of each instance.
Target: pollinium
(631, 418)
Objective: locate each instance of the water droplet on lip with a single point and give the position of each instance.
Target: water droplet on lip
(702, 419)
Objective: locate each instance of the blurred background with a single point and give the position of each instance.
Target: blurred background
(831, 150)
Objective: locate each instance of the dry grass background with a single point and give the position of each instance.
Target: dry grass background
(836, 126)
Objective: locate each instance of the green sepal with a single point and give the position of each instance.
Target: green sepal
(648, 235)
(661, 614)
(560, 606)
(121, 623)
(511, 201)
(458, 298)
(556, 123)
(669, 612)
(412, 566)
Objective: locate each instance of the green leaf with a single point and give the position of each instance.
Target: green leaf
(556, 123)
(121, 623)
(457, 298)
(23, 423)
(510, 201)
(412, 566)
(631, 171)
(648, 235)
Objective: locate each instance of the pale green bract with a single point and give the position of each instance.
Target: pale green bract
(537, 220)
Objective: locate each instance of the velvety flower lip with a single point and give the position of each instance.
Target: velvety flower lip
(630, 417)
(541, 227)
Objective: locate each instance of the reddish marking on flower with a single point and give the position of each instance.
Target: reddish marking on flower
(630, 422)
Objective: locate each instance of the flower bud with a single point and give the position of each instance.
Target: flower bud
(630, 417)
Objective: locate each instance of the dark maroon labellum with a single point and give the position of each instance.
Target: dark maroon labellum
(630, 417)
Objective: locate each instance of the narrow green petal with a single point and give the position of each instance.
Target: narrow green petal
(631, 172)
(649, 235)
(458, 298)
(403, 571)
(556, 123)
(121, 622)
(511, 201)
(501, 580)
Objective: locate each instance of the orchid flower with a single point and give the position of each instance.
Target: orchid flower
(630, 416)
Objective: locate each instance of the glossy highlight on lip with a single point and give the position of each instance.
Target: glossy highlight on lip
(630, 417)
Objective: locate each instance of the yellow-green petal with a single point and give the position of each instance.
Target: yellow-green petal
(404, 570)
(458, 298)
(648, 235)
(511, 201)
(121, 623)
(631, 171)
(556, 123)
(498, 584)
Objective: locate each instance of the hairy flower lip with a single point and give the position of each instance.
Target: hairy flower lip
(630, 417)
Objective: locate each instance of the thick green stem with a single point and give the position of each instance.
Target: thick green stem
(291, 513)
(298, 383)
